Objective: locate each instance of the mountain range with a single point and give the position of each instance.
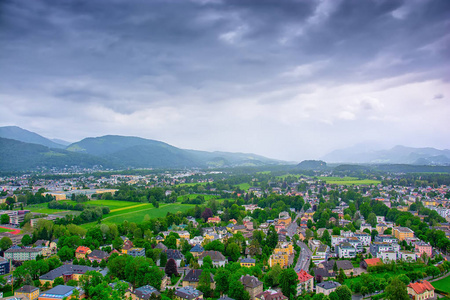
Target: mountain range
(22, 150)
(362, 154)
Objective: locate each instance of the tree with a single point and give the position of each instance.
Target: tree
(26, 240)
(372, 219)
(237, 291)
(233, 251)
(207, 263)
(344, 293)
(396, 290)
(288, 281)
(66, 253)
(326, 238)
(207, 213)
(163, 259)
(171, 268)
(204, 283)
(4, 219)
(222, 280)
(58, 281)
(5, 243)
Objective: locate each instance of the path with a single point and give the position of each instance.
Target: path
(128, 207)
(134, 211)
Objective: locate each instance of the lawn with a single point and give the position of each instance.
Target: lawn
(244, 186)
(348, 180)
(443, 284)
(193, 196)
(5, 230)
(43, 209)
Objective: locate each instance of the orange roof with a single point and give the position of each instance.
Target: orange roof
(421, 286)
(82, 249)
(304, 276)
(373, 261)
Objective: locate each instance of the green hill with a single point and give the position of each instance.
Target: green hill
(19, 134)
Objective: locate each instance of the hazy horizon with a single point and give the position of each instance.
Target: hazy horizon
(290, 80)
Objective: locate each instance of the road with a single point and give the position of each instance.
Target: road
(304, 258)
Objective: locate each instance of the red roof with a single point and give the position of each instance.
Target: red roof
(304, 276)
(421, 287)
(373, 262)
(82, 249)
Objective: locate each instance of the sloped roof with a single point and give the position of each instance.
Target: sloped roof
(373, 261)
(215, 255)
(304, 276)
(421, 287)
(194, 276)
(250, 281)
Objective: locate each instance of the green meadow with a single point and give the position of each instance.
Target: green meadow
(348, 180)
(443, 284)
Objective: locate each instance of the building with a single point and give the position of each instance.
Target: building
(142, 293)
(217, 258)
(402, 233)
(197, 250)
(135, 252)
(66, 272)
(422, 247)
(387, 256)
(193, 277)
(376, 248)
(345, 250)
(279, 259)
(271, 295)
(22, 254)
(82, 251)
(370, 262)
(337, 239)
(4, 266)
(28, 291)
(407, 256)
(386, 238)
(327, 287)
(98, 256)
(420, 290)
(177, 256)
(60, 292)
(188, 293)
(127, 245)
(252, 285)
(305, 282)
(364, 238)
(248, 262)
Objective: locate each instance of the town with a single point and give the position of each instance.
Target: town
(224, 235)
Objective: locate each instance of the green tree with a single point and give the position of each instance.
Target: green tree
(207, 263)
(204, 283)
(344, 293)
(222, 280)
(66, 253)
(58, 281)
(26, 240)
(4, 219)
(372, 219)
(233, 251)
(237, 291)
(163, 259)
(5, 243)
(396, 290)
(288, 281)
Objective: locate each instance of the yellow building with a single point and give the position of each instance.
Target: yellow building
(287, 248)
(82, 251)
(28, 291)
(248, 262)
(401, 233)
(279, 259)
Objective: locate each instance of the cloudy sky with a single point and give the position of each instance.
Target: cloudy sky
(286, 79)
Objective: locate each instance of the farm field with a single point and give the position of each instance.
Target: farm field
(348, 180)
(443, 284)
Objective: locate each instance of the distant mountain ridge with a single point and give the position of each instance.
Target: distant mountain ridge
(23, 135)
(112, 151)
(396, 155)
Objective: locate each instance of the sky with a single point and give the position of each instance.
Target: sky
(287, 79)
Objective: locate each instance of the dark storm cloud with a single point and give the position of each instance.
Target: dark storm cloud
(164, 64)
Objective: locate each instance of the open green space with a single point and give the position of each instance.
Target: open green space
(244, 186)
(43, 209)
(192, 183)
(193, 196)
(5, 230)
(417, 267)
(348, 181)
(443, 284)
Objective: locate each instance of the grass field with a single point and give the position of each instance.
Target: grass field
(5, 230)
(43, 209)
(192, 196)
(443, 284)
(244, 186)
(348, 181)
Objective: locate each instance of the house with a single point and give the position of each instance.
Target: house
(248, 262)
(305, 282)
(345, 265)
(66, 272)
(22, 254)
(127, 245)
(327, 287)
(271, 295)
(217, 258)
(279, 259)
(135, 252)
(98, 256)
(420, 290)
(176, 255)
(82, 251)
(28, 291)
(4, 266)
(320, 254)
(159, 239)
(197, 250)
(142, 293)
(422, 247)
(407, 256)
(60, 292)
(345, 250)
(188, 293)
(213, 220)
(252, 285)
(193, 277)
(388, 256)
(162, 247)
(370, 262)
(402, 233)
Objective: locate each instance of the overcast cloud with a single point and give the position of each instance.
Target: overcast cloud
(286, 79)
